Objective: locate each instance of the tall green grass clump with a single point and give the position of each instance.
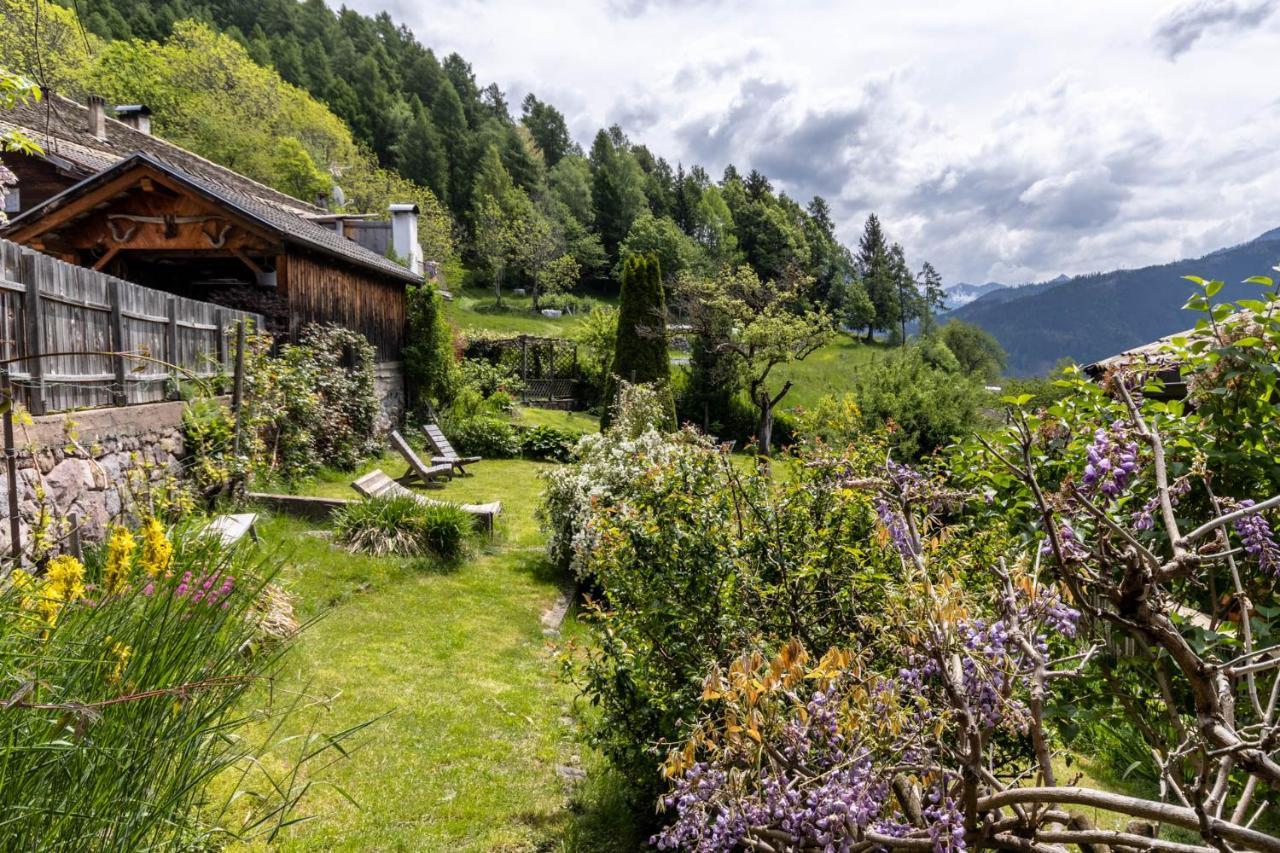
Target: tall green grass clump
(121, 681)
(404, 527)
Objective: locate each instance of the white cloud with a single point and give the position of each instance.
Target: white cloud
(998, 140)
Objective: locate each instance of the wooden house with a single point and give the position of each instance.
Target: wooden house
(107, 194)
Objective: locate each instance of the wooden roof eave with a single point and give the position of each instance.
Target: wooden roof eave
(58, 212)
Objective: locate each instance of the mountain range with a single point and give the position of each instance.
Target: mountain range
(1089, 317)
(962, 293)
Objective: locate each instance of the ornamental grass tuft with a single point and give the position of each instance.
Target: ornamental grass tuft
(404, 527)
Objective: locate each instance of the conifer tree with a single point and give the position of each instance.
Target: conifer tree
(876, 269)
(640, 354)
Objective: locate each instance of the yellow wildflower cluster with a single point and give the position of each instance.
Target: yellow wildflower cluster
(157, 550)
(63, 584)
(120, 548)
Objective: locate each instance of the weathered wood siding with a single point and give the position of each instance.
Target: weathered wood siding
(65, 320)
(38, 179)
(323, 292)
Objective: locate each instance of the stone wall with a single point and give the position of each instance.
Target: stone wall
(87, 469)
(389, 383)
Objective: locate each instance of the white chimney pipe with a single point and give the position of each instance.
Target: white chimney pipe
(404, 236)
(97, 117)
(137, 116)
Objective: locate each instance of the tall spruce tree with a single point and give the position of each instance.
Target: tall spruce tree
(640, 354)
(876, 268)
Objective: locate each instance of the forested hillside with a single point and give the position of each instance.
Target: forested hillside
(1091, 317)
(335, 104)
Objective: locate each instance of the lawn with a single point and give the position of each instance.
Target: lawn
(478, 750)
(475, 308)
(830, 370)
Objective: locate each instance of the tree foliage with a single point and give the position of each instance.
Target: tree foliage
(640, 353)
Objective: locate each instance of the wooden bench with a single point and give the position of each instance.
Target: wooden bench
(376, 484)
(230, 529)
(417, 468)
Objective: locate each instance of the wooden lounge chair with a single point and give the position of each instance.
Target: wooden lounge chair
(417, 468)
(377, 484)
(445, 451)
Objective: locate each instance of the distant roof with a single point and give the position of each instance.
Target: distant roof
(61, 127)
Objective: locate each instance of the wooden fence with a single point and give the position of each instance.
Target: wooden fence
(60, 319)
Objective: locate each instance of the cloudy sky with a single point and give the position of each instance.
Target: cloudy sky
(1002, 140)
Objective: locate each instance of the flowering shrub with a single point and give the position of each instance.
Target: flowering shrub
(124, 673)
(314, 404)
(1111, 557)
(607, 465)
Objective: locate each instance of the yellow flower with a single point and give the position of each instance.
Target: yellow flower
(64, 578)
(157, 550)
(63, 584)
(120, 548)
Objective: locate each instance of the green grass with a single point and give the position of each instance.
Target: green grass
(477, 720)
(474, 308)
(572, 421)
(830, 370)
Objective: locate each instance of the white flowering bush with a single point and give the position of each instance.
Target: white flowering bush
(607, 465)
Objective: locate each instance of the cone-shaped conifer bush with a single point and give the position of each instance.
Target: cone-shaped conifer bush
(640, 355)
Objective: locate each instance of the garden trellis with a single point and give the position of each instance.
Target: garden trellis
(548, 367)
(67, 333)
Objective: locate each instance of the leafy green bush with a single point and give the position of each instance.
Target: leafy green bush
(403, 526)
(567, 302)
(429, 359)
(978, 352)
(484, 435)
(547, 443)
(925, 408)
(314, 404)
(125, 676)
(488, 378)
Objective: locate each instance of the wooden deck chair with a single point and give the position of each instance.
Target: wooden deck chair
(445, 451)
(417, 468)
(377, 484)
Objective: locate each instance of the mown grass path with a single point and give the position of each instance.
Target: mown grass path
(475, 750)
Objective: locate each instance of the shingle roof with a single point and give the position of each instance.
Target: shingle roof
(61, 127)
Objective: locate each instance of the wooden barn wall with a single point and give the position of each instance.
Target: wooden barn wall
(322, 292)
(38, 179)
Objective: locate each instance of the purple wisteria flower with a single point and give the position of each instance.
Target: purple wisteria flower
(895, 524)
(1258, 539)
(1112, 460)
(1072, 548)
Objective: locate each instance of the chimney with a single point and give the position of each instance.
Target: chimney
(97, 117)
(404, 236)
(137, 116)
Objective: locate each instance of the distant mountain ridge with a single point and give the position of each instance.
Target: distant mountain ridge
(962, 293)
(1089, 317)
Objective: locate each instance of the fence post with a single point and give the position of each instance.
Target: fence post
(120, 396)
(220, 320)
(11, 464)
(34, 311)
(237, 390)
(524, 368)
(171, 343)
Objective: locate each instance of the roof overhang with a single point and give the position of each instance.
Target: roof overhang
(104, 185)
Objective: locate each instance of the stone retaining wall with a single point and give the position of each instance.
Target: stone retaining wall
(86, 469)
(389, 384)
